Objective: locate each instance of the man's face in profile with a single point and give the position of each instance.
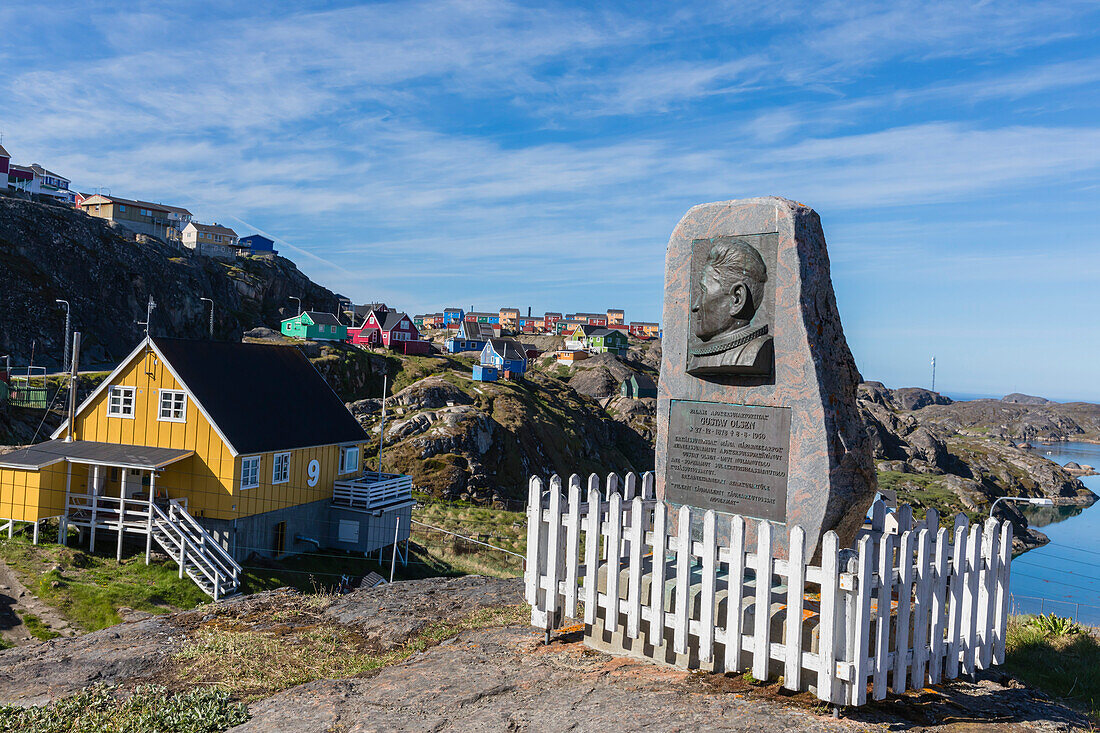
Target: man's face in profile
(712, 306)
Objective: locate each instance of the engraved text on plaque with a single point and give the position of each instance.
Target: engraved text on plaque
(729, 458)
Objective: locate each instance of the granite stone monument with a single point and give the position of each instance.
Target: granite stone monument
(756, 411)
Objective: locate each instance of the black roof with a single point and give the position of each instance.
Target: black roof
(263, 397)
(391, 320)
(508, 348)
(323, 319)
(644, 381)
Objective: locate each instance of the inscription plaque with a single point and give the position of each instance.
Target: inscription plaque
(729, 458)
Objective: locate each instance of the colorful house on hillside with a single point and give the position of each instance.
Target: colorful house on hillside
(615, 316)
(644, 329)
(592, 319)
(452, 317)
(211, 452)
(5, 162)
(548, 321)
(257, 245)
(481, 317)
(506, 355)
(471, 337)
(638, 386)
(137, 216)
(597, 339)
(212, 240)
(391, 330)
(316, 326)
(508, 318)
(568, 325)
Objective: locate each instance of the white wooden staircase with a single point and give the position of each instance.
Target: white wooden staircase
(198, 553)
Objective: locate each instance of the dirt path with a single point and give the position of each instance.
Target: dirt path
(15, 601)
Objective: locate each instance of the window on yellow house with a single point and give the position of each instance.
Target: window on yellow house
(250, 472)
(280, 471)
(173, 406)
(349, 460)
(120, 402)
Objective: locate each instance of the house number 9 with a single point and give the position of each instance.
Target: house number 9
(314, 472)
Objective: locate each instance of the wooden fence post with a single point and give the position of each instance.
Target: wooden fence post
(905, 592)
(861, 622)
(682, 613)
(634, 590)
(657, 581)
(592, 550)
(572, 546)
(796, 588)
(761, 625)
(829, 687)
(707, 587)
(735, 595)
(885, 612)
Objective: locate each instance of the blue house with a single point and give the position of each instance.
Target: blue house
(485, 373)
(257, 244)
(505, 354)
(452, 317)
(470, 337)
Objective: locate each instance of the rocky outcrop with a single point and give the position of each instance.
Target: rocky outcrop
(1018, 421)
(931, 465)
(1025, 399)
(108, 275)
(464, 439)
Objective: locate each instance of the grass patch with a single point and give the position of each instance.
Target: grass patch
(254, 664)
(37, 629)
(924, 491)
(109, 710)
(89, 589)
(1064, 665)
(504, 529)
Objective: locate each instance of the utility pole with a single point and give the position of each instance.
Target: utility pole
(65, 358)
(382, 431)
(211, 302)
(294, 297)
(933, 374)
(74, 367)
(148, 315)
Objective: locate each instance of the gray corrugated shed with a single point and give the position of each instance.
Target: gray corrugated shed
(88, 451)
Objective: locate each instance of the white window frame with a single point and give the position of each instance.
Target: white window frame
(344, 453)
(124, 394)
(172, 393)
(277, 476)
(250, 469)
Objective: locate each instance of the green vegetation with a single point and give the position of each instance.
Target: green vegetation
(89, 589)
(924, 491)
(504, 529)
(254, 664)
(1055, 656)
(37, 629)
(148, 708)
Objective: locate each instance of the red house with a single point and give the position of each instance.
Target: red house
(4, 160)
(549, 320)
(389, 329)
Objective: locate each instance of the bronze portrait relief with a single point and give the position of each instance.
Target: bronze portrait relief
(731, 303)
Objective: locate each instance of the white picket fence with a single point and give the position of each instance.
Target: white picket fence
(943, 592)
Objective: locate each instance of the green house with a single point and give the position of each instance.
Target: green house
(638, 386)
(612, 341)
(316, 326)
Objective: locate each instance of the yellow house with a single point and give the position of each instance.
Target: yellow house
(215, 450)
(138, 216)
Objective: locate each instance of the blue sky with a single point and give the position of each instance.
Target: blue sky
(494, 153)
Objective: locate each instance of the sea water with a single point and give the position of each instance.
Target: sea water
(1063, 577)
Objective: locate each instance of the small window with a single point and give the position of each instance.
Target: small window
(349, 460)
(250, 472)
(121, 207)
(280, 471)
(173, 406)
(120, 402)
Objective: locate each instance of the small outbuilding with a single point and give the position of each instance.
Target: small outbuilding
(485, 373)
(638, 385)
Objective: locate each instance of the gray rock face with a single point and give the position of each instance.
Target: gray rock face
(430, 394)
(831, 478)
(1025, 399)
(914, 398)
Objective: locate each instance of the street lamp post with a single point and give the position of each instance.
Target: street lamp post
(1034, 501)
(294, 297)
(211, 302)
(65, 359)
